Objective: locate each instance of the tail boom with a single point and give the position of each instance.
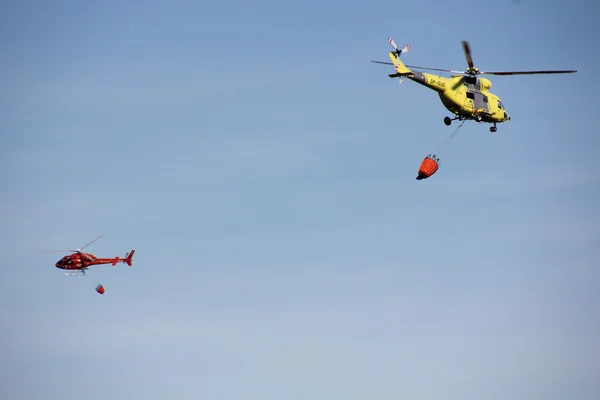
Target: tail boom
(437, 83)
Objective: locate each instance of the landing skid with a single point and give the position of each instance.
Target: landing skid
(75, 272)
(448, 121)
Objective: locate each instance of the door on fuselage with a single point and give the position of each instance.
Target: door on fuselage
(477, 101)
(469, 101)
(481, 102)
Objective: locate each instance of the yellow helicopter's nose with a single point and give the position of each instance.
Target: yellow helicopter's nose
(506, 116)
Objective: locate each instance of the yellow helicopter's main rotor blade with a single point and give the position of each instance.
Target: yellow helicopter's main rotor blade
(528, 72)
(467, 50)
(436, 69)
(417, 67)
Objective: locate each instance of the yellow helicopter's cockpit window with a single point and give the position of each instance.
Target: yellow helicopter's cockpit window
(500, 106)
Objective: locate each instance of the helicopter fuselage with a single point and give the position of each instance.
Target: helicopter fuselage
(76, 261)
(84, 260)
(466, 96)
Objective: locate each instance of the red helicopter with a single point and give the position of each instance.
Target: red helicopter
(78, 262)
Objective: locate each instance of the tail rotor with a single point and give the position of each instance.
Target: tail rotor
(398, 51)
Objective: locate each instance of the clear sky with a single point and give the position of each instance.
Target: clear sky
(264, 171)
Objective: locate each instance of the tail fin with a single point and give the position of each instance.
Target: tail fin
(128, 257)
(126, 260)
(401, 69)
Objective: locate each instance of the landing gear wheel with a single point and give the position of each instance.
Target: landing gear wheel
(447, 121)
(493, 129)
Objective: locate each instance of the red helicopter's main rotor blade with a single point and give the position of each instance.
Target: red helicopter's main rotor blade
(529, 72)
(467, 50)
(86, 256)
(70, 251)
(90, 243)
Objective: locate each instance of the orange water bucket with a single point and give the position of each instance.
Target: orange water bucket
(428, 167)
(100, 289)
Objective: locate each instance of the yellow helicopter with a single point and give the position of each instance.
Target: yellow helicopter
(466, 95)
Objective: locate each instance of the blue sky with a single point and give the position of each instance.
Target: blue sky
(264, 171)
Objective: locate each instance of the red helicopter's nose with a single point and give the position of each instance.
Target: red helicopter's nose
(62, 262)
